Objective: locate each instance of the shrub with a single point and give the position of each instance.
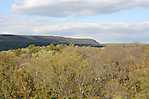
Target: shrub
(114, 72)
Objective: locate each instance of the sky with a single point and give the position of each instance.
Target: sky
(107, 21)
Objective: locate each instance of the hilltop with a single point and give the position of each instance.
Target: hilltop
(8, 42)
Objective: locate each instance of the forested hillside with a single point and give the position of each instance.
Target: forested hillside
(9, 42)
(70, 72)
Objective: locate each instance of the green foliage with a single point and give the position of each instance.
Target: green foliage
(55, 71)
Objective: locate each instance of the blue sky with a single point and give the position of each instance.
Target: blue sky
(109, 21)
(5, 7)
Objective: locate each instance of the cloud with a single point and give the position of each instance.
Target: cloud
(62, 8)
(104, 32)
(85, 27)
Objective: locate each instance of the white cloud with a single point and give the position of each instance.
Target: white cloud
(105, 32)
(57, 8)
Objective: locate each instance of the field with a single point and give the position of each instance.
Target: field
(71, 72)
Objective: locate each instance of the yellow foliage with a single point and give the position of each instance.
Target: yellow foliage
(112, 72)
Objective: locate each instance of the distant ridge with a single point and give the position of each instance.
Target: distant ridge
(8, 41)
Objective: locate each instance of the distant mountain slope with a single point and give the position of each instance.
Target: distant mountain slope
(8, 42)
